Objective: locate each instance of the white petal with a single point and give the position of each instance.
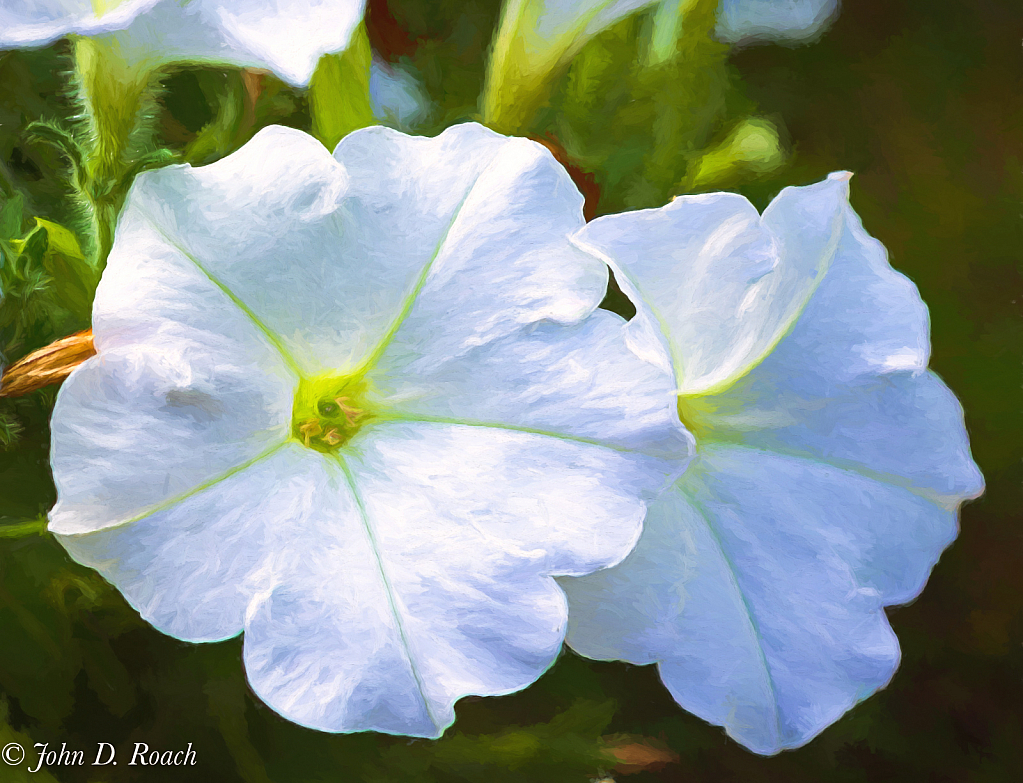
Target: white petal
(191, 567)
(486, 219)
(724, 283)
(906, 429)
(427, 577)
(286, 37)
(344, 247)
(864, 319)
(185, 387)
(774, 20)
(579, 380)
(280, 205)
(758, 586)
(848, 386)
(39, 22)
(495, 350)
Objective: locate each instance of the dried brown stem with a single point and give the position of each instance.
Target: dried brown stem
(47, 366)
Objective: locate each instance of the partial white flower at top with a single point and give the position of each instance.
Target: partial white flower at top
(287, 37)
(752, 21)
(362, 408)
(830, 462)
(737, 20)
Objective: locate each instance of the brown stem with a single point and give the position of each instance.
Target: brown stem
(47, 366)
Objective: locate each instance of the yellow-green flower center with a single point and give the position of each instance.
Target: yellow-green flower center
(328, 411)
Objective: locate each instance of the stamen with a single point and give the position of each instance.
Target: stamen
(351, 414)
(310, 429)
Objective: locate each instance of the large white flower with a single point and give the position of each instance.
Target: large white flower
(287, 37)
(362, 407)
(830, 462)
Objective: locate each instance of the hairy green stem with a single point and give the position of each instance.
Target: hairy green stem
(119, 98)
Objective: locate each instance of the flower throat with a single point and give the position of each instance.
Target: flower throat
(328, 411)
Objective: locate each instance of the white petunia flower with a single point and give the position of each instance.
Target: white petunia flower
(287, 38)
(830, 462)
(362, 408)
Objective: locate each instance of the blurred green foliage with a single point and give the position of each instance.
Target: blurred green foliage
(923, 100)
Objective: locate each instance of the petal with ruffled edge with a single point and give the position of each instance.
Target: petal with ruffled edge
(423, 573)
(509, 349)
(191, 566)
(484, 207)
(723, 282)
(758, 585)
(185, 388)
(849, 386)
(345, 245)
(825, 487)
(39, 22)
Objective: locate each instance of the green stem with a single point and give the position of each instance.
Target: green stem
(35, 527)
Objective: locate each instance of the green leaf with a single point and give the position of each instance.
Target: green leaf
(11, 214)
(74, 280)
(339, 91)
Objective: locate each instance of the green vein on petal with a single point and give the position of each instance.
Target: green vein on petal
(398, 620)
(421, 419)
(272, 337)
(733, 439)
(734, 574)
(410, 300)
(199, 488)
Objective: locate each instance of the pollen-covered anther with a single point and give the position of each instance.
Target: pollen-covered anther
(351, 414)
(310, 429)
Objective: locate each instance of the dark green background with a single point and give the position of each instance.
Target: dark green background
(922, 100)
